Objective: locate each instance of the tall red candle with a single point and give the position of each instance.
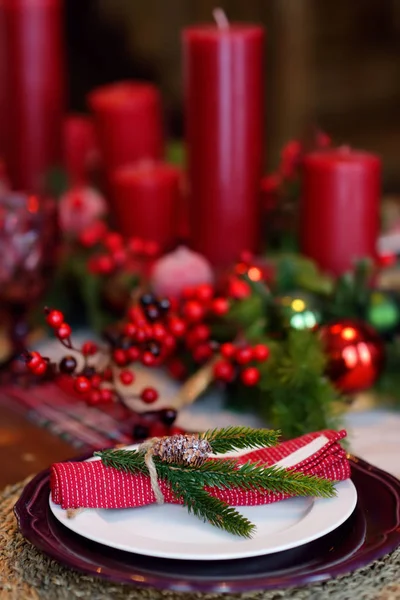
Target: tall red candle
(33, 45)
(80, 149)
(223, 80)
(339, 218)
(146, 198)
(129, 123)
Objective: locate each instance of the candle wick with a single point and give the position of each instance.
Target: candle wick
(220, 18)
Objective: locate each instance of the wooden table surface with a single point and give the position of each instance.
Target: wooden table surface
(26, 449)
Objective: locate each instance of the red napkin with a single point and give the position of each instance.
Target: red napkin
(92, 485)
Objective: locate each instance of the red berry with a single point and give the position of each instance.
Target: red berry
(239, 289)
(55, 318)
(250, 376)
(120, 357)
(228, 350)
(94, 397)
(224, 371)
(119, 257)
(126, 377)
(96, 381)
(135, 245)
(204, 292)
(177, 326)
(113, 241)
(82, 384)
(106, 396)
(89, 348)
(169, 343)
(159, 332)
(130, 329)
(202, 352)
(133, 353)
(243, 355)
(193, 310)
(93, 234)
(64, 331)
(149, 395)
(141, 335)
(201, 332)
(261, 352)
(41, 368)
(33, 360)
(105, 264)
(220, 306)
(148, 359)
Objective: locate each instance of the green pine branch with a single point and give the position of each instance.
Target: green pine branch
(188, 482)
(235, 438)
(208, 508)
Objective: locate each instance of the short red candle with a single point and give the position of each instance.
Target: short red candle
(80, 151)
(223, 80)
(339, 217)
(33, 45)
(145, 201)
(128, 122)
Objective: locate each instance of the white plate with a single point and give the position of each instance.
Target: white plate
(169, 531)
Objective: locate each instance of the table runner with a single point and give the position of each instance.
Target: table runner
(26, 574)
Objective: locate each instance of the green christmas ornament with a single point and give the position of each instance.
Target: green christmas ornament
(383, 312)
(299, 310)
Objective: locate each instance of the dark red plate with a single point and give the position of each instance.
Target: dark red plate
(372, 531)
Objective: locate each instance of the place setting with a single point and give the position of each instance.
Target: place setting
(112, 518)
(200, 338)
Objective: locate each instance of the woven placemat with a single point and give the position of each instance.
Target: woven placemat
(26, 574)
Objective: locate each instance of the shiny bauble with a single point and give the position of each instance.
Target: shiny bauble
(383, 312)
(299, 310)
(355, 354)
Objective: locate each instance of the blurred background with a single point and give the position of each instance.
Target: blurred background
(334, 63)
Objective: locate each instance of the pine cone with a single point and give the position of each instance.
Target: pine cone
(182, 449)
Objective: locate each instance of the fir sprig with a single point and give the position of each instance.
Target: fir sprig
(236, 438)
(189, 482)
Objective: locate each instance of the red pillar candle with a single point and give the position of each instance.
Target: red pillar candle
(145, 201)
(223, 80)
(339, 217)
(129, 123)
(80, 150)
(35, 88)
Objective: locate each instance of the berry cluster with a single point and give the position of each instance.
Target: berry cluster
(113, 253)
(156, 332)
(239, 360)
(101, 385)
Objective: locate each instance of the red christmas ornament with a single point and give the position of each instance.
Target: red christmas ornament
(355, 354)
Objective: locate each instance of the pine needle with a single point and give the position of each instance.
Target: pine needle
(236, 438)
